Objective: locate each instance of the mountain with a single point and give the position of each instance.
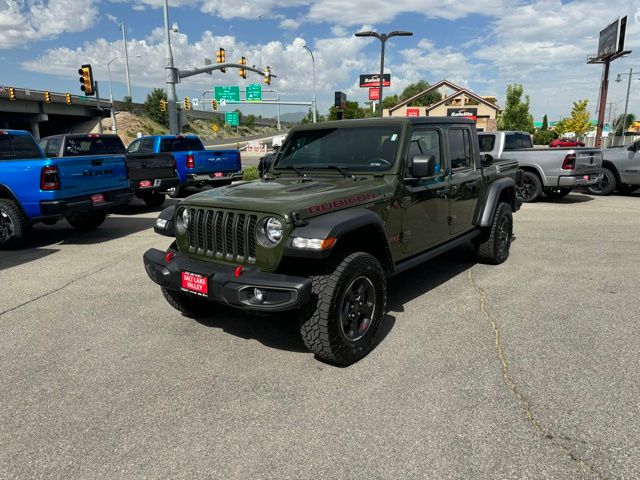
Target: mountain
(293, 117)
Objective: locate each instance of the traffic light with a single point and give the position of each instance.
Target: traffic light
(163, 105)
(86, 80)
(214, 104)
(187, 103)
(267, 76)
(242, 72)
(12, 94)
(221, 59)
(47, 96)
(68, 98)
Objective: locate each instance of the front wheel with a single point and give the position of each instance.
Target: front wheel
(154, 200)
(493, 247)
(15, 228)
(341, 322)
(530, 189)
(606, 186)
(85, 222)
(557, 192)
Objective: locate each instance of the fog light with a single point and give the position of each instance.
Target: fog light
(161, 223)
(257, 295)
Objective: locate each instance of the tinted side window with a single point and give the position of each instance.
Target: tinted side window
(24, 146)
(134, 147)
(53, 147)
(6, 150)
(460, 148)
(426, 142)
(517, 140)
(180, 144)
(146, 145)
(487, 142)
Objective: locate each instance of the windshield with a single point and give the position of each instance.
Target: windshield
(353, 148)
(78, 146)
(180, 144)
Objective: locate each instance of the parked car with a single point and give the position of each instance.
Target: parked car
(196, 166)
(346, 205)
(150, 174)
(565, 142)
(621, 170)
(555, 172)
(82, 189)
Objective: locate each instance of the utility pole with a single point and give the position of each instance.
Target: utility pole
(126, 58)
(172, 106)
(626, 103)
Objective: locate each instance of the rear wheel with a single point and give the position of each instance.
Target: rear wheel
(606, 186)
(154, 199)
(187, 304)
(341, 322)
(493, 247)
(530, 189)
(627, 189)
(15, 229)
(557, 192)
(85, 222)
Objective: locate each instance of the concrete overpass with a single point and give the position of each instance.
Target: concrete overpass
(29, 111)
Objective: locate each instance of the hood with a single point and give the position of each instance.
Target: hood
(286, 195)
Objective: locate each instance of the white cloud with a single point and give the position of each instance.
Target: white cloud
(24, 22)
(289, 24)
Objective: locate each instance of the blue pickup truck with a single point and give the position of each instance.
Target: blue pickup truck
(35, 189)
(196, 167)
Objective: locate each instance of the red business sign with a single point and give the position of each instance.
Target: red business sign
(374, 94)
(373, 80)
(413, 112)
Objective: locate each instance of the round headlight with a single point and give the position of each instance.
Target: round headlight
(185, 218)
(273, 230)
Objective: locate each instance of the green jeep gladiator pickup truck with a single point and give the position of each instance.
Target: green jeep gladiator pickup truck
(344, 206)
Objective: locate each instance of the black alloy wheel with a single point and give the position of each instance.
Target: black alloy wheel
(530, 188)
(7, 228)
(358, 308)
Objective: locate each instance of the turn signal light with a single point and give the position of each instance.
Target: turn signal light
(49, 178)
(313, 243)
(190, 162)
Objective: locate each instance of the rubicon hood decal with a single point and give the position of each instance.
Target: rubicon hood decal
(341, 203)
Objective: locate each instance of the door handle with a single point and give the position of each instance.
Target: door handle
(443, 192)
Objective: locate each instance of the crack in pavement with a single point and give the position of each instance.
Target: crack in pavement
(71, 282)
(515, 390)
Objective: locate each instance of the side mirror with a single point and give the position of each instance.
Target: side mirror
(423, 166)
(486, 160)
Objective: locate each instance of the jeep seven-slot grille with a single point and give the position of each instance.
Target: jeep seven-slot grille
(221, 234)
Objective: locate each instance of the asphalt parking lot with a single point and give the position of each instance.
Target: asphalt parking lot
(525, 370)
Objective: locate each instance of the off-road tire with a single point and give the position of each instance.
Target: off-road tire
(154, 200)
(530, 189)
(321, 322)
(85, 222)
(626, 189)
(188, 304)
(607, 186)
(20, 228)
(557, 192)
(493, 246)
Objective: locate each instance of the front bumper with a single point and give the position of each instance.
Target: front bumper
(280, 292)
(211, 179)
(158, 185)
(579, 180)
(83, 204)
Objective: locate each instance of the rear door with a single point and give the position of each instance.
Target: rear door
(425, 206)
(464, 179)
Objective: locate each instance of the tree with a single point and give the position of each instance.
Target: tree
(308, 118)
(152, 106)
(579, 122)
(353, 110)
(127, 104)
(618, 123)
(390, 101)
(516, 114)
(250, 120)
(545, 123)
(414, 89)
(544, 137)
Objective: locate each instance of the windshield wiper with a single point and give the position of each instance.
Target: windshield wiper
(342, 170)
(295, 169)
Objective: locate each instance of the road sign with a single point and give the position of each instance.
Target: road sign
(84, 98)
(215, 127)
(232, 118)
(374, 93)
(230, 94)
(254, 92)
(194, 102)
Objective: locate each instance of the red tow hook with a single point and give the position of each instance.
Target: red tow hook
(169, 256)
(238, 271)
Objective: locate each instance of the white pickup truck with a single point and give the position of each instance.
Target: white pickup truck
(552, 171)
(621, 170)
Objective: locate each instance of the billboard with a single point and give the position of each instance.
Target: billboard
(374, 93)
(612, 38)
(471, 113)
(373, 80)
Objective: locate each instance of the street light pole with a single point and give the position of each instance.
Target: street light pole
(172, 107)
(126, 58)
(113, 112)
(383, 37)
(626, 103)
(313, 67)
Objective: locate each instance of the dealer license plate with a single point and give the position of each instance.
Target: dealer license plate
(145, 183)
(192, 282)
(97, 199)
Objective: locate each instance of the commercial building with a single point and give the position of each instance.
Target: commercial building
(455, 101)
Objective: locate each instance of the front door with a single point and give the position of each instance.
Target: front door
(464, 180)
(425, 206)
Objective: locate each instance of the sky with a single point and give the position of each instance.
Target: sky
(483, 45)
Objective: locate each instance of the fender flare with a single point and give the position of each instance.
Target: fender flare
(491, 202)
(334, 224)
(6, 192)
